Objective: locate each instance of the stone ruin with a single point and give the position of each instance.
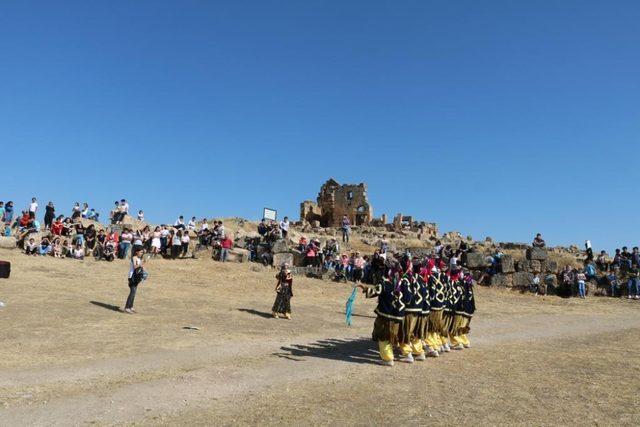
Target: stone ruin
(334, 201)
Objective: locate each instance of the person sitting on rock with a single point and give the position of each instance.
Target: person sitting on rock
(56, 248)
(262, 228)
(30, 247)
(538, 241)
(78, 252)
(45, 247)
(601, 261)
(179, 224)
(109, 252)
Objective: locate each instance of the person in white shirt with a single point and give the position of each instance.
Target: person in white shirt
(124, 206)
(140, 216)
(185, 243)
(191, 225)
(33, 206)
(179, 224)
(284, 227)
(204, 226)
(134, 280)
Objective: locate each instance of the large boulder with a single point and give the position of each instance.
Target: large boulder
(280, 246)
(503, 280)
(522, 279)
(298, 257)
(539, 254)
(507, 265)
(551, 267)
(8, 242)
(238, 255)
(283, 258)
(474, 260)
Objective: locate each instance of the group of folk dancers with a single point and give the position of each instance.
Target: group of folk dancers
(422, 314)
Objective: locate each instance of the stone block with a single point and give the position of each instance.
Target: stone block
(298, 257)
(474, 260)
(535, 266)
(522, 279)
(280, 246)
(282, 258)
(539, 254)
(551, 267)
(507, 264)
(523, 265)
(503, 280)
(8, 242)
(238, 255)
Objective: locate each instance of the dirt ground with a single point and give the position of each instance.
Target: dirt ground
(70, 357)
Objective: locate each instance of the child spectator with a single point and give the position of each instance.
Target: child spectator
(57, 248)
(185, 243)
(30, 248)
(140, 216)
(45, 247)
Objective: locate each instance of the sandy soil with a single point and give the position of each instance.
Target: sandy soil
(69, 357)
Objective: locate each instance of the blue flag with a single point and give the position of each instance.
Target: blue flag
(349, 308)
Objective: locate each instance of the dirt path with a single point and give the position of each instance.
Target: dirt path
(69, 357)
(156, 385)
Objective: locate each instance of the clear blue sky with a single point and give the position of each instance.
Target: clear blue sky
(499, 118)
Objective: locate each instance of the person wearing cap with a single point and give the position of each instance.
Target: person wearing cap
(284, 292)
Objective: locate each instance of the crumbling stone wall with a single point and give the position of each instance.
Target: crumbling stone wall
(336, 200)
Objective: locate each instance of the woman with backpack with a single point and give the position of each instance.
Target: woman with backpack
(137, 275)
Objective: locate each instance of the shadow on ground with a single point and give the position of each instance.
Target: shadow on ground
(361, 351)
(262, 314)
(105, 305)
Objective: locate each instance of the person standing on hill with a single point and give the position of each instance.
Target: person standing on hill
(284, 227)
(137, 275)
(33, 206)
(225, 246)
(346, 228)
(284, 292)
(49, 215)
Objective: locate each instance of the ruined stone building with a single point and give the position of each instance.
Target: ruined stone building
(334, 201)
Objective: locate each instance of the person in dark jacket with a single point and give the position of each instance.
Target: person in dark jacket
(390, 315)
(284, 292)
